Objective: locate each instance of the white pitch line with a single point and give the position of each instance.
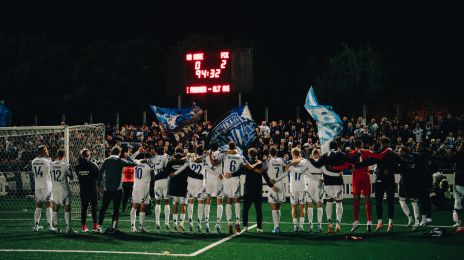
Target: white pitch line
(206, 248)
(264, 222)
(90, 252)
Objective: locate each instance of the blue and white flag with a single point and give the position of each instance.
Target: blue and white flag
(237, 126)
(4, 115)
(176, 118)
(329, 124)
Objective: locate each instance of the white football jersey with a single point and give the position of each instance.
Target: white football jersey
(232, 162)
(159, 162)
(41, 170)
(198, 166)
(296, 176)
(59, 173)
(216, 155)
(142, 175)
(275, 167)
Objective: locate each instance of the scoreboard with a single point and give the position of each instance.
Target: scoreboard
(207, 72)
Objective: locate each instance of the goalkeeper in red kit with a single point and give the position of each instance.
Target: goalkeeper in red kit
(361, 183)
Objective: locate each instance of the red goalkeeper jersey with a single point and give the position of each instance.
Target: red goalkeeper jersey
(363, 172)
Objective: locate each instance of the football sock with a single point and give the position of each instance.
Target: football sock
(424, 218)
(37, 213)
(405, 208)
(167, 213)
(339, 211)
(415, 208)
(182, 218)
(141, 218)
(380, 221)
(190, 212)
(67, 218)
(158, 213)
(356, 209)
(368, 210)
(207, 209)
(295, 222)
(275, 218)
(310, 215)
(237, 213)
(328, 212)
(174, 218)
(390, 221)
(456, 218)
(320, 212)
(49, 214)
(302, 219)
(133, 216)
(55, 218)
(229, 213)
(200, 211)
(219, 211)
(280, 215)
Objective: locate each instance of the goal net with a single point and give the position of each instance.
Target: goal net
(18, 147)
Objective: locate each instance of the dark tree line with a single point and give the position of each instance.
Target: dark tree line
(47, 76)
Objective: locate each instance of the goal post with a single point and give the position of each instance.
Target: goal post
(18, 147)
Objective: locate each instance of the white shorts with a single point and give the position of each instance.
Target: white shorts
(196, 190)
(276, 197)
(161, 189)
(314, 191)
(61, 197)
(333, 192)
(141, 195)
(232, 189)
(458, 196)
(214, 189)
(180, 200)
(43, 195)
(298, 197)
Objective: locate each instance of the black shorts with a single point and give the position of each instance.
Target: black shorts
(408, 189)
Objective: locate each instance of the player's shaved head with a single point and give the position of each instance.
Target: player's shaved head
(160, 150)
(214, 146)
(60, 153)
(232, 145)
(85, 153)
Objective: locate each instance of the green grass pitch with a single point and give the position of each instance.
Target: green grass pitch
(15, 233)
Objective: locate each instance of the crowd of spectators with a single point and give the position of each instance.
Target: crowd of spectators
(440, 136)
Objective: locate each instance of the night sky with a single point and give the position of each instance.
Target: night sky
(421, 43)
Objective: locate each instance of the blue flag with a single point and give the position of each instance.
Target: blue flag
(4, 115)
(329, 124)
(176, 118)
(237, 126)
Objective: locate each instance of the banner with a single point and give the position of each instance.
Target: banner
(237, 126)
(4, 114)
(176, 118)
(329, 124)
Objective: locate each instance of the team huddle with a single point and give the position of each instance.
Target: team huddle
(207, 174)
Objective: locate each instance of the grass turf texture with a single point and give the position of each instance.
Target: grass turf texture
(15, 233)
